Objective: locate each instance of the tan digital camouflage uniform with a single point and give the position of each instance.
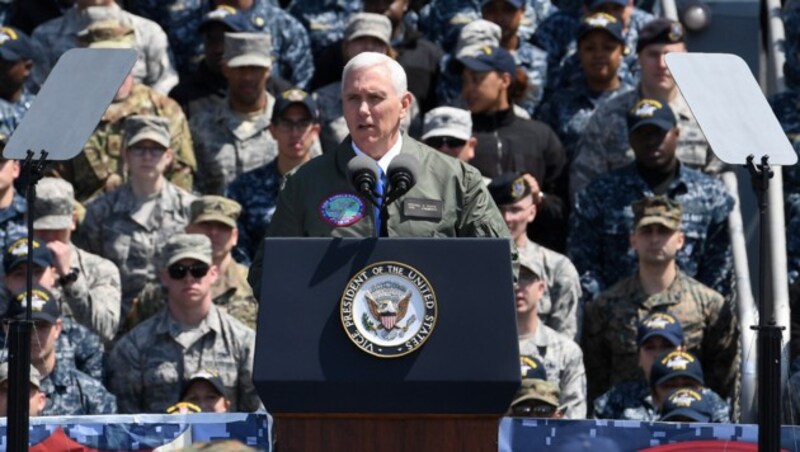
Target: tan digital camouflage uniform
(98, 168)
(149, 365)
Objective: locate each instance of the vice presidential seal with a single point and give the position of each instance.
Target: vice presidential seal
(388, 309)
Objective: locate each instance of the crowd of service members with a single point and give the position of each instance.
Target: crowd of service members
(625, 300)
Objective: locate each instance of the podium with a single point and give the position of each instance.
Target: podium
(386, 344)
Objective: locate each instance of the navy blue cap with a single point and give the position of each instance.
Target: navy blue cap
(515, 3)
(673, 364)
(592, 5)
(490, 59)
(16, 45)
(228, 16)
(291, 97)
(602, 22)
(16, 254)
(43, 305)
(660, 324)
(508, 188)
(686, 403)
(211, 376)
(651, 112)
(532, 367)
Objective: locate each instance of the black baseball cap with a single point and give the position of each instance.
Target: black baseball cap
(43, 305)
(686, 403)
(674, 364)
(508, 188)
(295, 96)
(16, 254)
(212, 377)
(660, 31)
(660, 324)
(228, 16)
(651, 112)
(15, 45)
(601, 22)
(488, 59)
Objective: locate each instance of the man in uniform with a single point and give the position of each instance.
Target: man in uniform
(232, 136)
(709, 324)
(12, 205)
(17, 56)
(149, 365)
(69, 391)
(129, 225)
(318, 200)
(153, 68)
(562, 358)
(90, 285)
(295, 128)
(449, 130)
(37, 398)
(604, 145)
(559, 307)
(602, 220)
(98, 168)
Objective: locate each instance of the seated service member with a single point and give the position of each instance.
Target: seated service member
(69, 391)
(449, 130)
(677, 369)
(375, 100)
(687, 405)
(536, 397)
(149, 364)
(562, 358)
(559, 307)
(206, 390)
(37, 399)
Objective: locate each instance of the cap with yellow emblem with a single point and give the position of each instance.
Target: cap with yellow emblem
(16, 45)
(44, 306)
(215, 208)
(295, 96)
(651, 112)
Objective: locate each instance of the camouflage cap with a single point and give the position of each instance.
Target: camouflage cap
(657, 210)
(247, 49)
(35, 377)
(54, 206)
(295, 96)
(146, 127)
(108, 34)
(532, 261)
(650, 112)
(536, 389)
(660, 324)
(660, 31)
(532, 367)
(16, 254)
(447, 122)
(44, 306)
(15, 45)
(215, 208)
(673, 364)
(477, 34)
(372, 25)
(683, 403)
(211, 376)
(186, 246)
(509, 188)
(602, 22)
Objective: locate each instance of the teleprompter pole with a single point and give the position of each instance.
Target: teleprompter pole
(19, 336)
(769, 333)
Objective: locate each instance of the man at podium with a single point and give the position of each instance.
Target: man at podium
(448, 198)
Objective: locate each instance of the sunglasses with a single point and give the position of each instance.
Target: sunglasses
(289, 125)
(525, 410)
(438, 142)
(178, 271)
(140, 151)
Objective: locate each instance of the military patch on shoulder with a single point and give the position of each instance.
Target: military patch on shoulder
(342, 209)
(388, 309)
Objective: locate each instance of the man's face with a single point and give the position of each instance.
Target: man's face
(35, 404)
(223, 237)
(295, 132)
(363, 44)
(53, 235)
(535, 409)
(203, 394)
(528, 291)
(190, 291)
(147, 159)
(9, 171)
(505, 15)
(649, 351)
(214, 46)
(656, 243)
(16, 279)
(655, 74)
(661, 391)
(621, 12)
(600, 56)
(483, 91)
(246, 84)
(373, 109)
(463, 150)
(654, 147)
(518, 215)
(14, 73)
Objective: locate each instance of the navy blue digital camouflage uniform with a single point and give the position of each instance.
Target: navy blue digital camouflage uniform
(324, 20)
(632, 400)
(78, 345)
(602, 222)
(11, 113)
(72, 392)
(12, 221)
(257, 191)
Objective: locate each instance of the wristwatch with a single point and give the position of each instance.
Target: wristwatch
(69, 278)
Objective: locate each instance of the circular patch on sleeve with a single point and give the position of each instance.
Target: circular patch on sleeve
(342, 209)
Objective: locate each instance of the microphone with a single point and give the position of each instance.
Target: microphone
(402, 175)
(362, 172)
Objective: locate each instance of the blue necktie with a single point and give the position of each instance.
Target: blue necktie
(379, 190)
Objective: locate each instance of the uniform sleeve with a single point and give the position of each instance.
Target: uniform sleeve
(96, 398)
(588, 163)
(565, 296)
(96, 303)
(89, 351)
(573, 384)
(296, 60)
(125, 376)
(184, 165)
(90, 234)
(596, 357)
(248, 400)
(209, 173)
(720, 347)
(715, 268)
(583, 243)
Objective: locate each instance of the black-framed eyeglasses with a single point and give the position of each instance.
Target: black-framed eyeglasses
(539, 410)
(289, 125)
(438, 142)
(178, 271)
(153, 151)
